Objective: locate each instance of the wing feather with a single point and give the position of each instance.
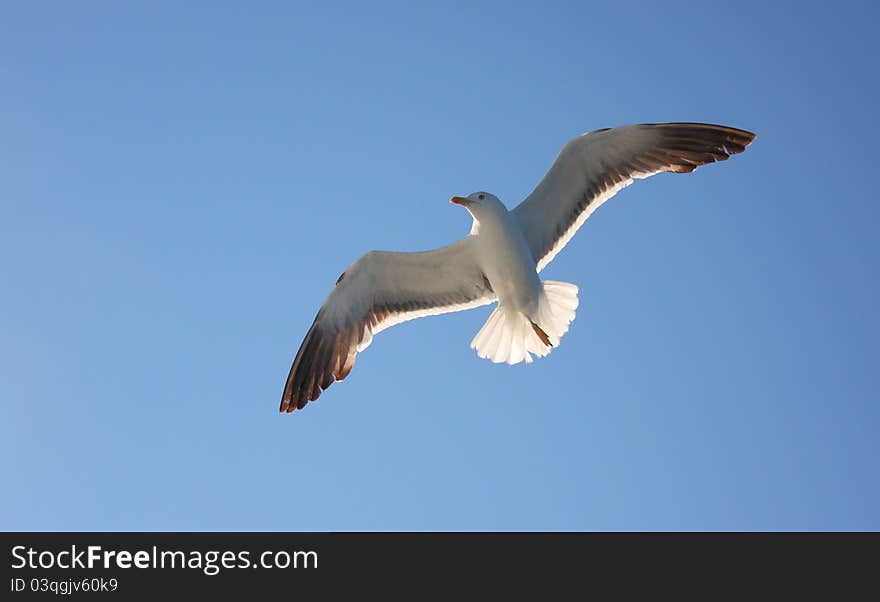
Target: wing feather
(380, 290)
(595, 166)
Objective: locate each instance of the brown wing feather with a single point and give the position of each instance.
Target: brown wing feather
(600, 162)
(379, 290)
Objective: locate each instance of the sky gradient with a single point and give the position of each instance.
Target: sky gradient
(182, 183)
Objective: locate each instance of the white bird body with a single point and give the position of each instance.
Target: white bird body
(531, 316)
(501, 257)
(504, 255)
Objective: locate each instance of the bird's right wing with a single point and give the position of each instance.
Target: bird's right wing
(595, 166)
(380, 290)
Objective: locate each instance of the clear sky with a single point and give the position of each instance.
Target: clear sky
(182, 183)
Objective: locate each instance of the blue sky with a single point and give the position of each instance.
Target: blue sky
(181, 184)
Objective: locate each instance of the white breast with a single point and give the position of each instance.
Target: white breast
(507, 262)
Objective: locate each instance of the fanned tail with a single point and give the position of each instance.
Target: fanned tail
(511, 336)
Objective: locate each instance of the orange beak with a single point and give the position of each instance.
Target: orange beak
(460, 201)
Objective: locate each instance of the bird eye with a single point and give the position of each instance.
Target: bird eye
(481, 197)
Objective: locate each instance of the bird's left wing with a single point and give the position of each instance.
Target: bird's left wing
(593, 167)
(379, 290)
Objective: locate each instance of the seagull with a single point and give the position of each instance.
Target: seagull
(500, 259)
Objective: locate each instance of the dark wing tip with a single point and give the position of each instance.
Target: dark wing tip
(735, 140)
(323, 358)
(682, 147)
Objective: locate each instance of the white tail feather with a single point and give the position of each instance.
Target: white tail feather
(508, 335)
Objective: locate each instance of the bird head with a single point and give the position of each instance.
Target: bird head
(480, 204)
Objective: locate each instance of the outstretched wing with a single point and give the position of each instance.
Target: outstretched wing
(593, 167)
(380, 290)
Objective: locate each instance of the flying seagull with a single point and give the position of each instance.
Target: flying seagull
(501, 257)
